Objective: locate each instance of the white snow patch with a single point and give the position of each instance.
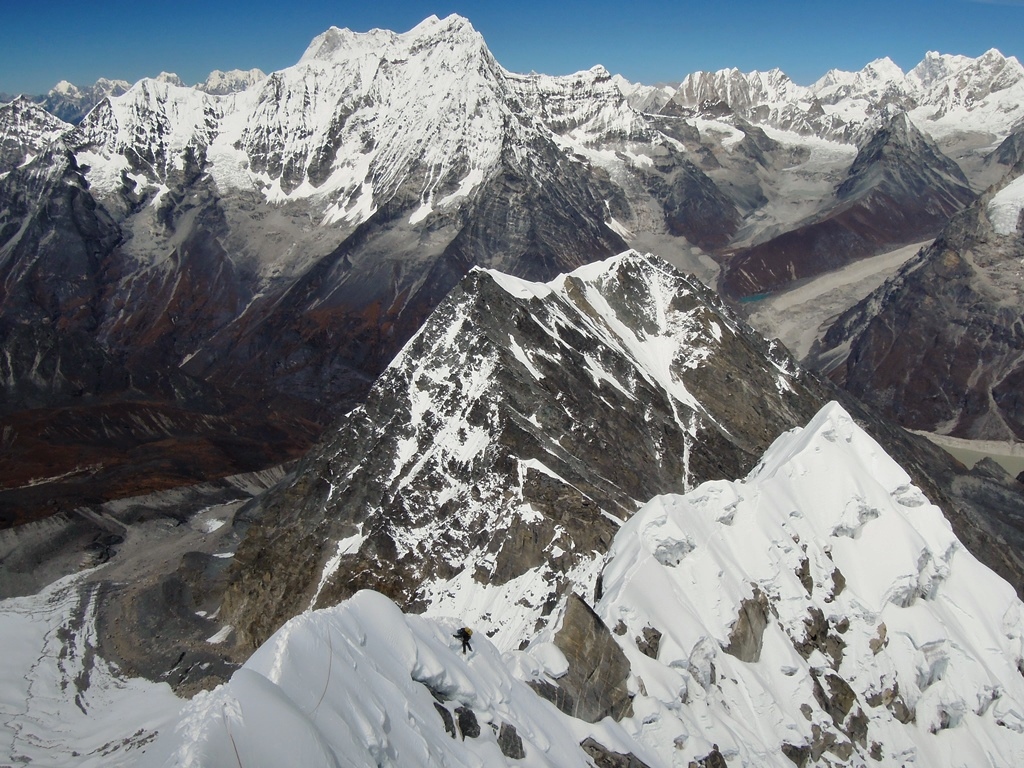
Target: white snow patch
(1004, 209)
(345, 546)
(221, 635)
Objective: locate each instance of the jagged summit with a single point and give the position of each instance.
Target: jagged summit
(338, 43)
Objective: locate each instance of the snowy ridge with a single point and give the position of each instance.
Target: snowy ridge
(863, 588)
(866, 634)
(364, 685)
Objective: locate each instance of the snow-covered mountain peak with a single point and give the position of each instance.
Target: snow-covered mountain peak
(883, 69)
(965, 79)
(344, 42)
(340, 44)
(844, 618)
(170, 78)
(220, 83)
(64, 88)
(451, 25)
(147, 130)
(644, 98)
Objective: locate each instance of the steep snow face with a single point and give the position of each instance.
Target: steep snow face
(960, 93)
(818, 612)
(821, 603)
(740, 91)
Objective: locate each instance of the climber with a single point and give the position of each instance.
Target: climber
(464, 634)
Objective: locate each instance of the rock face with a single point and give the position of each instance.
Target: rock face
(514, 431)
(938, 347)
(595, 686)
(900, 189)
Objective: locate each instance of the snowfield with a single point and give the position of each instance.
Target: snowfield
(1004, 209)
(881, 640)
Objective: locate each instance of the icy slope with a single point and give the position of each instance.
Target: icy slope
(823, 604)
(363, 684)
(818, 612)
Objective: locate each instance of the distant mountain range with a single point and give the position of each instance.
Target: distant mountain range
(248, 254)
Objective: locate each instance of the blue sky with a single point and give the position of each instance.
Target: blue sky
(646, 41)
